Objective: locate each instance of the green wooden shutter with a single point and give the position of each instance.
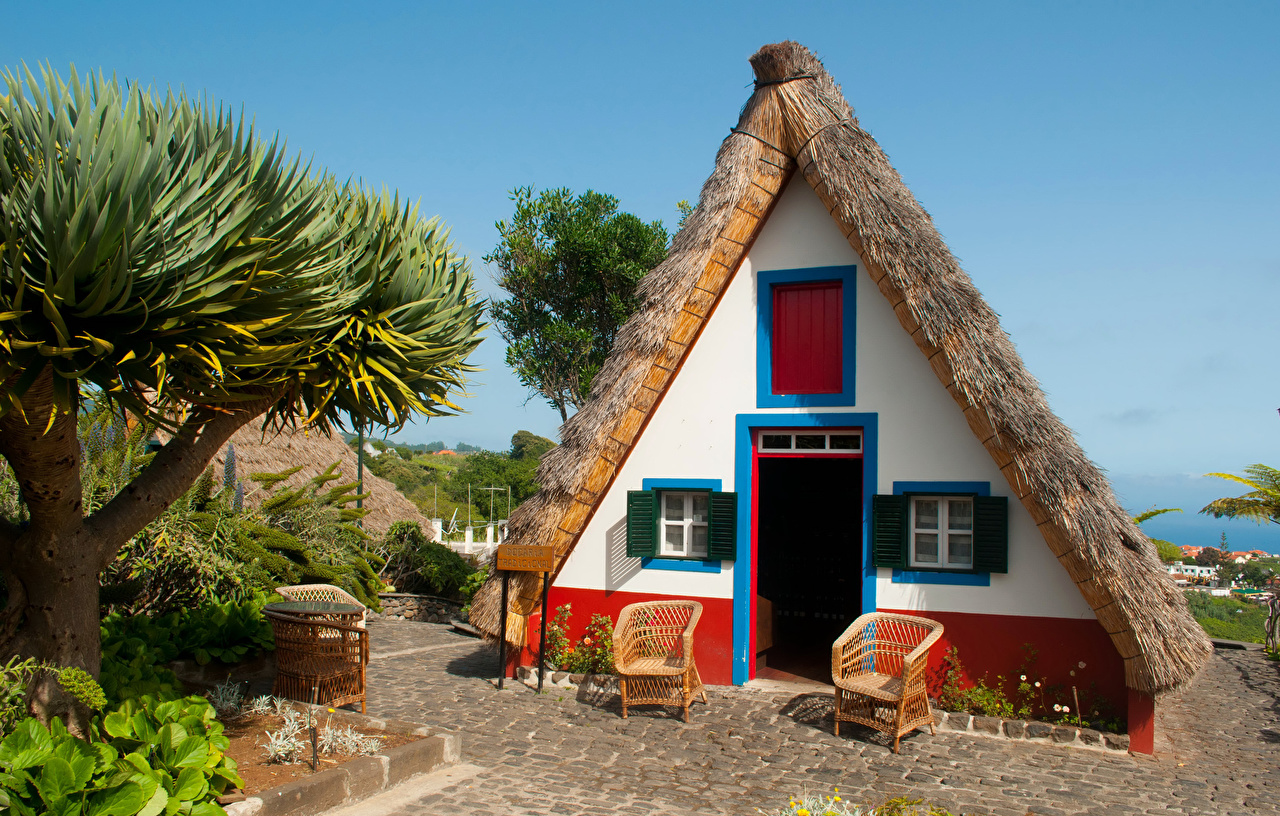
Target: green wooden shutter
(889, 530)
(642, 523)
(722, 529)
(991, 534)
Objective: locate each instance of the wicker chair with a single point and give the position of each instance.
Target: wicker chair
(322, 592)
(878, 668)
(653, 653)
(321, 655)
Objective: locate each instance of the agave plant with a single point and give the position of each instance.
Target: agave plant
(156, 252)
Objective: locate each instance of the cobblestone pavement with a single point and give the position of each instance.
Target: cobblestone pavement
(564, 754)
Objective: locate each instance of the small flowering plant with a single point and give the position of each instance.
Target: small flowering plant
(834, 805)
(819, 805)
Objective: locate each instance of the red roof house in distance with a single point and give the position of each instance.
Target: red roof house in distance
(814, 415)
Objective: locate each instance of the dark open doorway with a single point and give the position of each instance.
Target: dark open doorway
(809, 567)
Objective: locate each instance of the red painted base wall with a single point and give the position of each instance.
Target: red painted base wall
(993, 644)
(712, 642)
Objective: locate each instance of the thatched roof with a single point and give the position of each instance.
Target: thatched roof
(315, 452)
(797, 121)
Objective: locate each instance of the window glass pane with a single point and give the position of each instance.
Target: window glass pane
(700, 501)
(811, 442)
(699, 547)
(675, 539)
(846, 442)
(927, 514)
(673, 504)
(960, 549)
(776, 441)
(960, 514)
(927, 548)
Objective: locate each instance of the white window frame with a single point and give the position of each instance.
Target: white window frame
(943, 532)
(686, 524)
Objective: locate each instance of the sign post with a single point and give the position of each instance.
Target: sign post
(524, 558)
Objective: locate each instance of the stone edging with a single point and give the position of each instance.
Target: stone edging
(1031, 730)
(422, 608)
(358, 778)
(593, 683)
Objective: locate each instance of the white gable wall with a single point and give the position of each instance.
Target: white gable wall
(922, 436)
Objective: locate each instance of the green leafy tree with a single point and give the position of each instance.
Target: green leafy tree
(1260, 504)
(570, 265)
(1256, 574)
(516, 468)
(1209, 557)
(156, 254)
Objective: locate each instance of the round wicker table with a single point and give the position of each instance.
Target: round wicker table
(324, 610)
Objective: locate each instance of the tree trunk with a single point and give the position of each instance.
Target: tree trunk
(57, 582)
(51, 564)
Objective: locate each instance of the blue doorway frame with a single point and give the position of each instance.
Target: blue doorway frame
(744, 484)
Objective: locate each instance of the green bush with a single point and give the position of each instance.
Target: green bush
(155, 757)
(418, 565)
(231, 631)
(593, 652)
(179, 741)
(1227, 618)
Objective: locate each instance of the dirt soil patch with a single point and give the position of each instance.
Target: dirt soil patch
(248, 734)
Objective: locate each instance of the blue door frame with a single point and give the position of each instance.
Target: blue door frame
(744, 484)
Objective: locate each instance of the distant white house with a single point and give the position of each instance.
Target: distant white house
(1192, 570)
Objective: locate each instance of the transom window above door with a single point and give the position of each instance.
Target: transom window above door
(810, 442)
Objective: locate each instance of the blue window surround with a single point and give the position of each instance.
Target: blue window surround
(680, 564)
(942, 577)
(765, 281)
(743, 472)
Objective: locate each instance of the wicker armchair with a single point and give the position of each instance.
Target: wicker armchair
(321, 655)
(653, 653)
(322, 592)
(878, 668)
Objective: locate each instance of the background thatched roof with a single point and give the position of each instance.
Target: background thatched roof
(797, 121)
(315, 452)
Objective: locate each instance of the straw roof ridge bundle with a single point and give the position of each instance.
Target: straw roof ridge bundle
(798, 121)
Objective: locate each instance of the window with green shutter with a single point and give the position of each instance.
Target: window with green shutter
(955, 533)
(681, 523)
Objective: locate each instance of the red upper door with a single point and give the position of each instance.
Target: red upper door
(807, 339)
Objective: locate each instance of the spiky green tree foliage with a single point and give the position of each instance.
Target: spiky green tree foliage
(153, 250)
(1261, 503)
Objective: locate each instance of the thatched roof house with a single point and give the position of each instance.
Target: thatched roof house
(796, 133)
(257, 452)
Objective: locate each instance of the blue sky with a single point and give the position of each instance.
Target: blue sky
(1106, 172)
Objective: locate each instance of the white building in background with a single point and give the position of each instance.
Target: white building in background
(1192, 570)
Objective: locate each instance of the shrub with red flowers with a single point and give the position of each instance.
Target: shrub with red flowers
(591, 654)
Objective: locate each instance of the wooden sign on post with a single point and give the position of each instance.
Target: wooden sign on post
(526, 558)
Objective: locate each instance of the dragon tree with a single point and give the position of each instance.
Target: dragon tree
(155, 253)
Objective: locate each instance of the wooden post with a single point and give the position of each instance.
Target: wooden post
(524, 558)
(542, 638)
(502, 641)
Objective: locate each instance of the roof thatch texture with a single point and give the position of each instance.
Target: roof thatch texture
(315, 452)
(798, 120)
